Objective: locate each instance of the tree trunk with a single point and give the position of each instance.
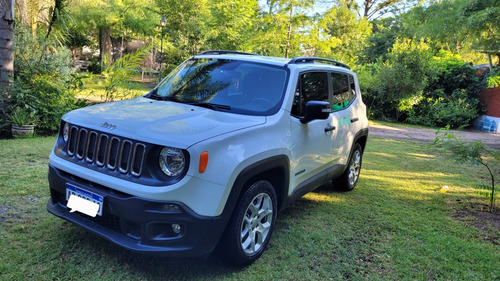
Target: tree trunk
(6, 41)
(105, 45)
(289, 35)
(6, 54)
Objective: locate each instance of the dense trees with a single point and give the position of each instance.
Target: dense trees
(405, 51)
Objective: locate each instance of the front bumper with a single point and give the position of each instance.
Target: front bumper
(138, 224)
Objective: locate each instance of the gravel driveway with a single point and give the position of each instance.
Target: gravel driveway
(428, 135)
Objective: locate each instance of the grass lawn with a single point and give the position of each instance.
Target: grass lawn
(95, 89)
(396, 225)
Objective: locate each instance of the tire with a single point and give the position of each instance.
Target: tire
(250, 228)
(349, 178)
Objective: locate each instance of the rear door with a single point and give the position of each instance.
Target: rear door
(344, 103)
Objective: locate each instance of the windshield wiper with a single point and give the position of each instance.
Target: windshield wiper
(155, 96)
(212, 106)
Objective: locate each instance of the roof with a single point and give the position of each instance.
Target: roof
(268, 59)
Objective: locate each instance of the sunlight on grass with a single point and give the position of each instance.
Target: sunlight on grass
(396, 225)
(421, 155)
(323, 197)
(95, 90)
(385, 155)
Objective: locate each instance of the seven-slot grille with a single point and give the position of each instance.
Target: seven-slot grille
(107, 151)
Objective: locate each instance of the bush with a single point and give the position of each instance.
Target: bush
(43, 80)
(394, 85)
(452, 96)
(413, 87)
(46, 98)
(455, 112)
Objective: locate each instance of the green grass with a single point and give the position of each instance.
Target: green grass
(94, 89)
(396, 225)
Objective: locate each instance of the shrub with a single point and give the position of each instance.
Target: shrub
(399, 80)
(456, 112)
(452, 95)
(43, 80)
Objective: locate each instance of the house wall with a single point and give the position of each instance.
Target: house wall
(491, 98)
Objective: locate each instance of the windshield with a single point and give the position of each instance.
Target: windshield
(228, 85)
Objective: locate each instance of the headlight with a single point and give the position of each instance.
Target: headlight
(65, 132)
(172, 161)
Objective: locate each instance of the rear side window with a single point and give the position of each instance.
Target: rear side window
(343, 90)
(311, 86)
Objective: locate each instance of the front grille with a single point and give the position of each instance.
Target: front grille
(103, 150)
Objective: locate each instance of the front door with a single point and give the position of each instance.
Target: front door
(311, 143)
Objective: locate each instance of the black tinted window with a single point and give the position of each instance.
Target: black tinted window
(340, 91)
(312, 86)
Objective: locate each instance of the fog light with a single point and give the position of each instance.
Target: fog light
(176, 228)
(169, 208)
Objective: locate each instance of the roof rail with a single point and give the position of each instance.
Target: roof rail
(313, 59)
(222, 52)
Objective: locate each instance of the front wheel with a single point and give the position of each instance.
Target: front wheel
(348, 180)
(251, 225)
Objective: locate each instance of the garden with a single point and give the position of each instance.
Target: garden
(420, 211)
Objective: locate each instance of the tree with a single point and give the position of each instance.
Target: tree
(104, 19)
(404, 75)
(6, 42)
(282, 28)
(341, 34)
(230, 22)
(186, 27)
(372, 9)
(482, 21)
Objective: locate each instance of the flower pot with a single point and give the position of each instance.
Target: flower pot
(22, 131)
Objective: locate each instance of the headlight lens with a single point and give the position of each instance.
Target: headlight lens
(172, 161)
(66, 132)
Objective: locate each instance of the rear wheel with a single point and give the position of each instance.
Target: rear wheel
(251, 225)
(348, 180)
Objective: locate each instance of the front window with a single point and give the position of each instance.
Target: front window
(226, 85)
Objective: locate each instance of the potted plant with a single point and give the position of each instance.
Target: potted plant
(23, 122)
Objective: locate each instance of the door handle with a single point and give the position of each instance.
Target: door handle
(329, 129)
(354, 120)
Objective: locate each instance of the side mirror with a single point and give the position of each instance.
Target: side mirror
(316, 110)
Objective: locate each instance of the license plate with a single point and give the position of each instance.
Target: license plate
(83, 201)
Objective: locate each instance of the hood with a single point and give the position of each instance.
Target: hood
(160, 122)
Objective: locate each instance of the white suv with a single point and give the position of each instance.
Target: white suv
(209, 157)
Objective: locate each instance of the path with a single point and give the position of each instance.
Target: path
(428, 135)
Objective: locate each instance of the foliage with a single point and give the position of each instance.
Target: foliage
(494, 77)
(42, 79)
(403, 76)
(22, 116)
(185, 30)
(230, 23)
(120, 72)
(415, 87)
(379, 43)
(341, 34)
(474, 154)
(452, 96)
(482, 21)
(282, 28)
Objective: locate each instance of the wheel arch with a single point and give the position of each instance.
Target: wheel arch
(361, 138)
(274, 169)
